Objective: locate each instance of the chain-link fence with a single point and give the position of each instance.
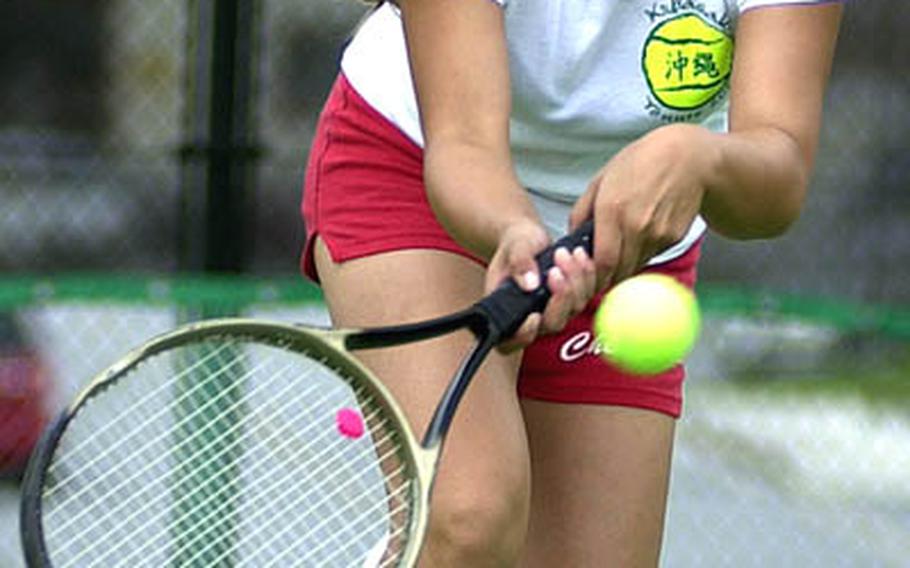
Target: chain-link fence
(90, 123)
(795, 444)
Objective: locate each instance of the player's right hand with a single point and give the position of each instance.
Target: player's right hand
(571, 281)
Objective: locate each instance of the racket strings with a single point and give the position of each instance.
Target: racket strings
(144, 449)
(296, 491)
(80, 448)
(121, 487)
(257, 515)
(224, 489)
(400, 491)
(162, 480)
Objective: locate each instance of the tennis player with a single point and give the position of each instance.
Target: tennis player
(460, 137)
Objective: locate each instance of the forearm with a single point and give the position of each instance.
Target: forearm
(783, 57)
(474, 193)
(459, 61)
(757, 183)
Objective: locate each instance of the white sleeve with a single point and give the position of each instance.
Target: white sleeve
(749, 4)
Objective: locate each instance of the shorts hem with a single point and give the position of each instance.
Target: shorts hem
(607, 397)
(340, 254)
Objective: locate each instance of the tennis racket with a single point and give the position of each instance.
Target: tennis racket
(237, 442)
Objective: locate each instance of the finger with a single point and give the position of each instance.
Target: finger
(584, 207)
(522, 263)
(529, 280)
(607, 247)
(559, 308)
(515, 260)
(588, 273)
(629, 256)
(573, 268)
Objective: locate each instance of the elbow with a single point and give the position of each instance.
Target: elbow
(768, 220)
(786, 211)
(790, 198)
(770, 216)
(765, 200)
(779, 224)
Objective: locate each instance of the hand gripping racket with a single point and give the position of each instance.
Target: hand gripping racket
(237, 442)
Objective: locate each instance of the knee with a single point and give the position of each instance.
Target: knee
(478, 528)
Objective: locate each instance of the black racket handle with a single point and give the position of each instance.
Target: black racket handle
(509, 305)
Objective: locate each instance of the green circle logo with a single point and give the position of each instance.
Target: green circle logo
(687, 62)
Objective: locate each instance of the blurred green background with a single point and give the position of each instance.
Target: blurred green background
(151, 159)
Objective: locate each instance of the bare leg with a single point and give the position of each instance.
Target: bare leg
(481, 497)
(600, 477)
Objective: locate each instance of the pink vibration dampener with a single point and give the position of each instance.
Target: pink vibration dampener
(350, 423)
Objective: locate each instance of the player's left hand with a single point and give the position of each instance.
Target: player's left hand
(645, 198)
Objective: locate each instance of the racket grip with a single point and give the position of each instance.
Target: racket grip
(509, 305)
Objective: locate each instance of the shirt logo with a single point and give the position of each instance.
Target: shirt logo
(687, 62)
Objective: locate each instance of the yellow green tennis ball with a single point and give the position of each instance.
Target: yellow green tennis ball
(647, 324)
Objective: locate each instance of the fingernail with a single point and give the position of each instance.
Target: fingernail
(556, 274)
(531, 280)
(587, 263)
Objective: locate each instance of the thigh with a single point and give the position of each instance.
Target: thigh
(485, 460)
(599, 484)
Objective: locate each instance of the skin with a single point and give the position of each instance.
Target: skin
(532, 483)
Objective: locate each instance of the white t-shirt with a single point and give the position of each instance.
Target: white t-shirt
(588, 77)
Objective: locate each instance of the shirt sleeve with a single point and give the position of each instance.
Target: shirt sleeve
(749, 4)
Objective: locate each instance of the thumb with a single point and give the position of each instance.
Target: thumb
(523, 264)
(529, 280)
(514, 257)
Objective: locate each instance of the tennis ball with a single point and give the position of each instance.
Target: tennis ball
(647, 324)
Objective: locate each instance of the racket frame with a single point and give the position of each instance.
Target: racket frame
(327, 346)
(492, 319)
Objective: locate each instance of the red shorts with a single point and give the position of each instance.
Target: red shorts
(364, 195)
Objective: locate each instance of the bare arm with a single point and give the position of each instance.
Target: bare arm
(748, 183)
(459, 61)
(783, 58)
